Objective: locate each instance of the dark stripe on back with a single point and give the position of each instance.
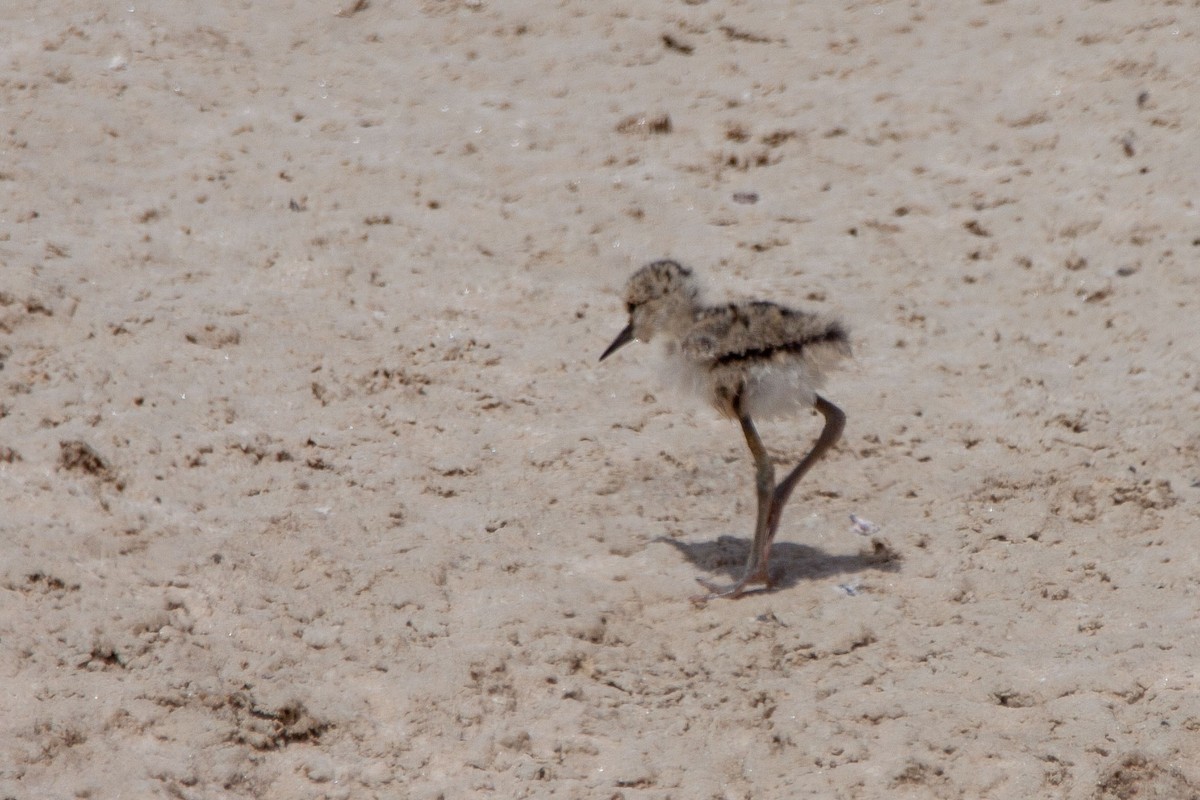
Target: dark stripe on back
(834, 334)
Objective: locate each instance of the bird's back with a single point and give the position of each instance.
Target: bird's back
(768, 357)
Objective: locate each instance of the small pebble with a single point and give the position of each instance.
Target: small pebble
(863, 526)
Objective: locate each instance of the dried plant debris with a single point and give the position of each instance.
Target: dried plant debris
(265, 728)
(79, 456)
(645, 124)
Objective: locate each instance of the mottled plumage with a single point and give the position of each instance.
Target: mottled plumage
(751, 359)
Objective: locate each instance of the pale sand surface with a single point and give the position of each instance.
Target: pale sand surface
(311, 486)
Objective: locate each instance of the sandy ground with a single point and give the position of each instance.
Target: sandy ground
(311, 485)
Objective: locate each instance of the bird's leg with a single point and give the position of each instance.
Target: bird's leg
(835, 422)
(772, 499)
(764, 482)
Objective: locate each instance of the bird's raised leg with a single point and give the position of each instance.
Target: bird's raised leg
(771, 499)
(835, 422)
(764, 482)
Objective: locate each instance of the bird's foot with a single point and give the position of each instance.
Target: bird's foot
(736, 590)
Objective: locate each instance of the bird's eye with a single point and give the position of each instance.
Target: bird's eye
(630, 307)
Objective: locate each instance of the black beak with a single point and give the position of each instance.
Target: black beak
(623, 338)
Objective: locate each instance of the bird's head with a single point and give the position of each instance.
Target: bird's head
(661, 298)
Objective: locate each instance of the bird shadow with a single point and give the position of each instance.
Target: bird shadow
(790, 563)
